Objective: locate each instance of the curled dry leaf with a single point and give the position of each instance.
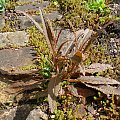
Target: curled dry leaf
(54, 88)
(99, 83)
(95, 80)
(106, 89)
(97, 67)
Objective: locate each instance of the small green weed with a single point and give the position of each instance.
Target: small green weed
(2, 5)
(97, 6)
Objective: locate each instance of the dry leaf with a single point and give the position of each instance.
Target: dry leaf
(85, 38)
(97, 67)
(106, 89)
(97, 80)
(54, 88)
(77, 57)
(45, 25)
(72, 43)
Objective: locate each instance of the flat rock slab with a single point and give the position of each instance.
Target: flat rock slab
(26, 22)
(13, 39)
(32, 6)
(12, 61)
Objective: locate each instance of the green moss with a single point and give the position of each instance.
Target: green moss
(50, 8)
(7, 27)
(11, 5)
(38, 40)
(100, 54)
(77, 12)
(23, 3)
(29, 67)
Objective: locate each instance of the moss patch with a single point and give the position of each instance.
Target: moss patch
(77, 12)
(99, 54)
(29, 67)
(38, 40)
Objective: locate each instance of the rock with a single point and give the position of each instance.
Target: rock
(114, 47)
(15, 39)
(33, 6)
(7, 114)
(66, 34)
(13, 61)
(23, 112)
(113, 32)
(115, 9)
(37, 114)
(4, 97)
(16, 113)
(2, 22)
(26, 22)
(53, 15)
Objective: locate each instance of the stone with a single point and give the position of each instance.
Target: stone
(23, 112)
(7, 114)
(34, 6)
(13, 60)
(13, 39)
(115, 9)
(4, 97)
(114, 47)
(26, 22)
(16, 113)
(66, 34)
(37, 114)
(2, 22)
(53, 15)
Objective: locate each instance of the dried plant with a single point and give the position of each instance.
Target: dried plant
(67, 60)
